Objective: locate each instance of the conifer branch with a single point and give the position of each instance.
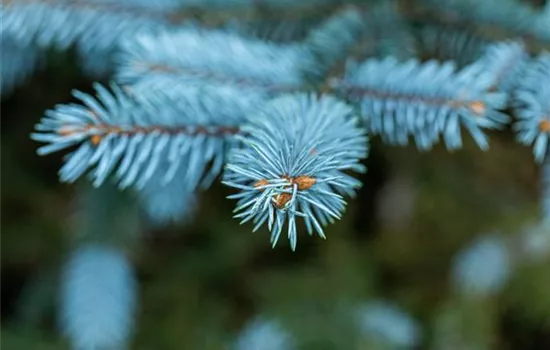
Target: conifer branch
(332, 40)
(160, 10)
(293, 164)
(98, 298)
(17, 64)
(532, 106)
(356, 32)
(199, 57)
(134, 135)
(87, 23)
(504, 62)
(508, 16)
(388, 33)
(425, 101)
(447, 43)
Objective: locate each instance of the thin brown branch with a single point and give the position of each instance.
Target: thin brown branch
(478, 107)
(215, 76)
(98, 132)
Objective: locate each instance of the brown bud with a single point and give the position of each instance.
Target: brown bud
(544, 125)
(281, 200)
(95, 140)
(66, 131)
(304, 182)
(262, 182)
(478, 107)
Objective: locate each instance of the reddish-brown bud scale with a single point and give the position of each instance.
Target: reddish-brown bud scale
(281, 200)
(304, 182)
(478, 107)
(544, 125)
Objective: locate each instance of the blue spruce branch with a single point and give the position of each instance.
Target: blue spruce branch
(17, 63)
(293, 164)
(423, 100)
(446, 43)
(273, 28)
(172, 59)
(131, 136)
(98, 298)
(94, 27)
(532, 106)
(284, 21)
(509, 15)
(355, 32)
(332, 40)
(504, 62)
(88, 24)
(388, 32)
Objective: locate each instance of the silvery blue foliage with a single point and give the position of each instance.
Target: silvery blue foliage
(532, 106)
(166, 5)
(388, 323)
(94, 27)
(297, 5)
(541, 24)
(483, 267)
(194, 56)
(504, 62)
(332, 40)
(132, 135)
(98, 298)
(281, 26)
(17, 63)
(424, 100)
(293, 164)
(511, 14)
(276, 30)
(88, 24)
(450, 43)
(94, 64)
(389, 31)
(265, 335)
(170, 202)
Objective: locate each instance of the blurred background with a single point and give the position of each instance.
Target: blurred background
(395, 272)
